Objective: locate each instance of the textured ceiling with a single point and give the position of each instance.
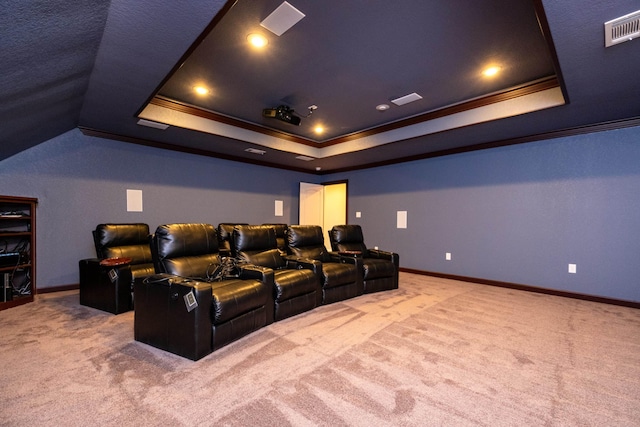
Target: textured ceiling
(47, 51)
(348, 58)
(97, 65)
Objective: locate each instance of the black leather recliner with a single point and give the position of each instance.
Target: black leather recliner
(108, 286)
(281, 236)
(183, 309)
(341, 275)
(296, 282)
(380, 268)
(225, 229)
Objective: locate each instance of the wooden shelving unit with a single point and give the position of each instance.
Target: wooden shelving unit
(17, 250)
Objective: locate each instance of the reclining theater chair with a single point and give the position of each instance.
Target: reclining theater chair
(106, 282)
(182, 310)
(281, 236)
(380, 268)
(341, 275)
(296, 282)
(224, 237)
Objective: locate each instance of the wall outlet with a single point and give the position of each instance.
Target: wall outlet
(375, 247)
(358, 214)
(572, 268)
(447, 256)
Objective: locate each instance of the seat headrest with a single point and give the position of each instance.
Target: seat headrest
(306, 241)
(253, 238)
(304, 235)
(347, 238)
(281, 229)
(181, 240)
(226, 229)
(347, 234)
(112, 235)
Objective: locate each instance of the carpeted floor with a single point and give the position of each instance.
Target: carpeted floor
(434, 352)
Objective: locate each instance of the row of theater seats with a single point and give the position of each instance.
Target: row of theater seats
(197, 288)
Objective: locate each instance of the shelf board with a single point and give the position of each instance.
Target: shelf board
(16, 301)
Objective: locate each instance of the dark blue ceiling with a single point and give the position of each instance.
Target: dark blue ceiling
(95, 65)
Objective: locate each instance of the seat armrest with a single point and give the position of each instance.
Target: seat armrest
(265, 275)
(105, 288)
(335, 257)
(256, 272)
(173, 313)
(298, 263)
(391, 256)
(291, 261)
(311, 264)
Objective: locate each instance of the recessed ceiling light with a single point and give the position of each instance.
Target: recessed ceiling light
(257, 40)
(318, 129)
(305, 158)
(201, 90)
(255, 151)
(382, 107)
(491, 71)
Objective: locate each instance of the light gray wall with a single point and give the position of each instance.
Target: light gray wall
(81, 181)
(516, 214)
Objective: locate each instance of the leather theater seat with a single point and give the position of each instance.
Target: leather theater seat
(189, 311)
(341, 275)
(109, 286)
(380, 268)
(296, 283)
(281, 236)
(225, 229)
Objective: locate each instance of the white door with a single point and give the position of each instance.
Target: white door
(311, 203)
(324, 205)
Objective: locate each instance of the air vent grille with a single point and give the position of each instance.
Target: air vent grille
(622, 29)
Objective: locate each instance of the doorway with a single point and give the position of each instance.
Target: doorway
(324, 205)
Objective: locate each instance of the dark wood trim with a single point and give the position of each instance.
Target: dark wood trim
(538, 86)
(546, 33)
(210, 115)
(216, 19)
(61, 288)
(599, 127)
(189, 150)
(520, 287)
(16, 302)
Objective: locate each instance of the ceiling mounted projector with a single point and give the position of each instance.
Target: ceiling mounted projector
(282, 113)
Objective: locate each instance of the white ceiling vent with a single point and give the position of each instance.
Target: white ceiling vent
(406, 99)
(622, 29)
(151, 124)
(280, 20)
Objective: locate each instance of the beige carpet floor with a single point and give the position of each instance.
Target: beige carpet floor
(435, 352)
